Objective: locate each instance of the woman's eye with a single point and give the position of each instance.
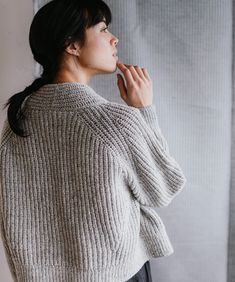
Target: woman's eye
(105, 28)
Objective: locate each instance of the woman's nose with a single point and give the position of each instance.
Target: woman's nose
(116, 41)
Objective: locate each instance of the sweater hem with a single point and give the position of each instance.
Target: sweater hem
(115, 273)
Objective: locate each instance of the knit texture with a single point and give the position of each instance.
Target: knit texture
(78, 196)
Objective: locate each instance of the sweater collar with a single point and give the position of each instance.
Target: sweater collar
(63, 96)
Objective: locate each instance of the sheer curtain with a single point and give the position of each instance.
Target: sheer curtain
(187, 47)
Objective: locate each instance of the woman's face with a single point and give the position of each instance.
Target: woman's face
(97, 53)
(95, 57)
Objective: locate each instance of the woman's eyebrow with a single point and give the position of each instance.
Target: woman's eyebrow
(104, 22)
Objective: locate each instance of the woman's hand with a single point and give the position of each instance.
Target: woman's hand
(139, 90)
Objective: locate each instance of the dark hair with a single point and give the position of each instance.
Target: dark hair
(54, 27)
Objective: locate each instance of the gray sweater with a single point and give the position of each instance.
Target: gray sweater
(78, 196)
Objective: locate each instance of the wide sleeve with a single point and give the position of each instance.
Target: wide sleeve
(153, 174)
(150, 116)
(6, 249)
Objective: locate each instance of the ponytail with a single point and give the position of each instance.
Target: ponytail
(14, 111)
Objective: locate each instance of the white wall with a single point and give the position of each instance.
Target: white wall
(17, 68)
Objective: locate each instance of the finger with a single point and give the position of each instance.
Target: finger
(122, 87)
(146, 73)
(127, 74)
(133, 71)
(141, 74)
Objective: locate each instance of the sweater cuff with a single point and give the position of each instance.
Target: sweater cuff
(149, 114)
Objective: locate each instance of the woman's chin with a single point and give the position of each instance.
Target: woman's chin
(110, 69)
(109, 65)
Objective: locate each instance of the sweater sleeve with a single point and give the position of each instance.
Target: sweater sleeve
(7, 249)
(150, 116)
(154, 176)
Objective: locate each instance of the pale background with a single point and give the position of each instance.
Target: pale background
(187, 47)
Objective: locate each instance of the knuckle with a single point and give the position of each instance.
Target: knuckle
(140, 82)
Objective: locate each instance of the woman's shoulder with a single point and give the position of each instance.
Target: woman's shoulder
(120, 114)
(111, 120)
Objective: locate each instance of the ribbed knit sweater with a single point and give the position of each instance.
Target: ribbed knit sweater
(78, 196)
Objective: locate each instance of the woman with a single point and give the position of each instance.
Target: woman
(78, 192)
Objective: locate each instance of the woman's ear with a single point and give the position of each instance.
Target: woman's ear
(73, 49)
